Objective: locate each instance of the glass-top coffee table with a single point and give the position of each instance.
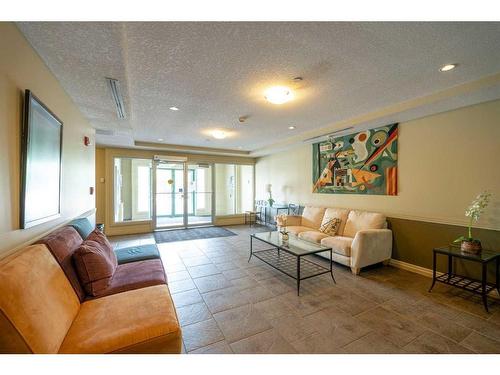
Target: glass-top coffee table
(291, 258)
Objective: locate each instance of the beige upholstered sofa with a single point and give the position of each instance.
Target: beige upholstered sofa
(362, 238)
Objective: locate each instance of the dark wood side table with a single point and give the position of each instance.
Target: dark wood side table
(481, 287)
(250, 217)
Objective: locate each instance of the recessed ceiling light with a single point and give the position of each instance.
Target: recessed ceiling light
(160, 139)
(219, 134)
(291, 127)
(278, 94)
(174, 108)
(447, 67)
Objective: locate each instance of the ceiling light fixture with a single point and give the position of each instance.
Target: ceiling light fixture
(219, 134)
(291, 127)
(160, 139)
(447, 67)
(174, 108)
(278, 94)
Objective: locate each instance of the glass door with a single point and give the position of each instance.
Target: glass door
(200, 194)
(169, 194)
(183, 194)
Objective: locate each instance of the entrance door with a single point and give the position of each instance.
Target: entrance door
(183, 194)
(200, 194)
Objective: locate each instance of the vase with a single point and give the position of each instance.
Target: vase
(471, 247)
(284, 238)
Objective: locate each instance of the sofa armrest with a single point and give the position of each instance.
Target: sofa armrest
(371, 246)
(291, 220)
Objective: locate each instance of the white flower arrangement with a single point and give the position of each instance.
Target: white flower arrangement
(474, 211)
(281, 220)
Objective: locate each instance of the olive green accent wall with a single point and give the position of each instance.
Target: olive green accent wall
(414, 240)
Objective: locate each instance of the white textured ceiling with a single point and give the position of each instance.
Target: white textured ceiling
(216, 72)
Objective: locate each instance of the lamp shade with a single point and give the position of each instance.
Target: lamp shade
(268, 188)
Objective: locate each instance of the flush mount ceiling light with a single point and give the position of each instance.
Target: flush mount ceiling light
(278, 94)
(291, 127)
(219, 134)
(160, 139)
(447, 67)
(174, 108)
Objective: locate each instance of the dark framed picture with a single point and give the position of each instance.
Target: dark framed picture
(40, 163)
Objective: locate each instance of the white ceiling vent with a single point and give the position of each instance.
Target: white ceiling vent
(329, 135)
(116, 93)
(105, 132)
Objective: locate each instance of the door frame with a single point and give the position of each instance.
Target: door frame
(185, 222)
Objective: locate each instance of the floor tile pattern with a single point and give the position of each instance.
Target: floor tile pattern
(227, 304)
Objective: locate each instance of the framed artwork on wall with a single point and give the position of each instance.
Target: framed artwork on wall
(360, 163)
(40, 163)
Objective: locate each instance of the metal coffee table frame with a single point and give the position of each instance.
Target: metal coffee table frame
(282, 259)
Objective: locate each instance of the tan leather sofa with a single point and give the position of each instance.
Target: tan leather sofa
(362, 239)
(41, 313)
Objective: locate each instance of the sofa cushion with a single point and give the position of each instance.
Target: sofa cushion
(340, 213)
(95, 266)
(135, 275)
(296, 229)
(312, 217)
(62, 243)
(126, 321)
(101, 238)
(361, 220)
(11, 340)
(137, 253)
(339, 244)
(330, 227)
(82, 226)
(37, 298)
(312, 236)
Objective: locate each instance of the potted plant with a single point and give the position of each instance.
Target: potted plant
(470, 244)
(270, 200)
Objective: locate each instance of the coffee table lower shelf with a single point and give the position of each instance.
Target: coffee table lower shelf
(294, 266)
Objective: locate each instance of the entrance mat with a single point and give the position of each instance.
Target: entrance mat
(192, 234)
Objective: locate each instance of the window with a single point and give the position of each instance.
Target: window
(132, 189)
(234, 188)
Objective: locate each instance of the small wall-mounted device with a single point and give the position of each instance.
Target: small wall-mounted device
(91, 190)
(86, 141)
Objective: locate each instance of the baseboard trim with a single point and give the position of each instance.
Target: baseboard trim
(411, 267)
(425, 272)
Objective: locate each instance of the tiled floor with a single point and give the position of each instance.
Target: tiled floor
(226, 304)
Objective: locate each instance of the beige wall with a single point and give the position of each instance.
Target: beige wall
(100, 174)
(21, 68)
(444, 161)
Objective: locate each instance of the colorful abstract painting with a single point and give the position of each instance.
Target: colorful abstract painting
(360, 163)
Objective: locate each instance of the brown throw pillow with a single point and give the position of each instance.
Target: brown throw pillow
(101, 238)
(331, 227)
(94, 266)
